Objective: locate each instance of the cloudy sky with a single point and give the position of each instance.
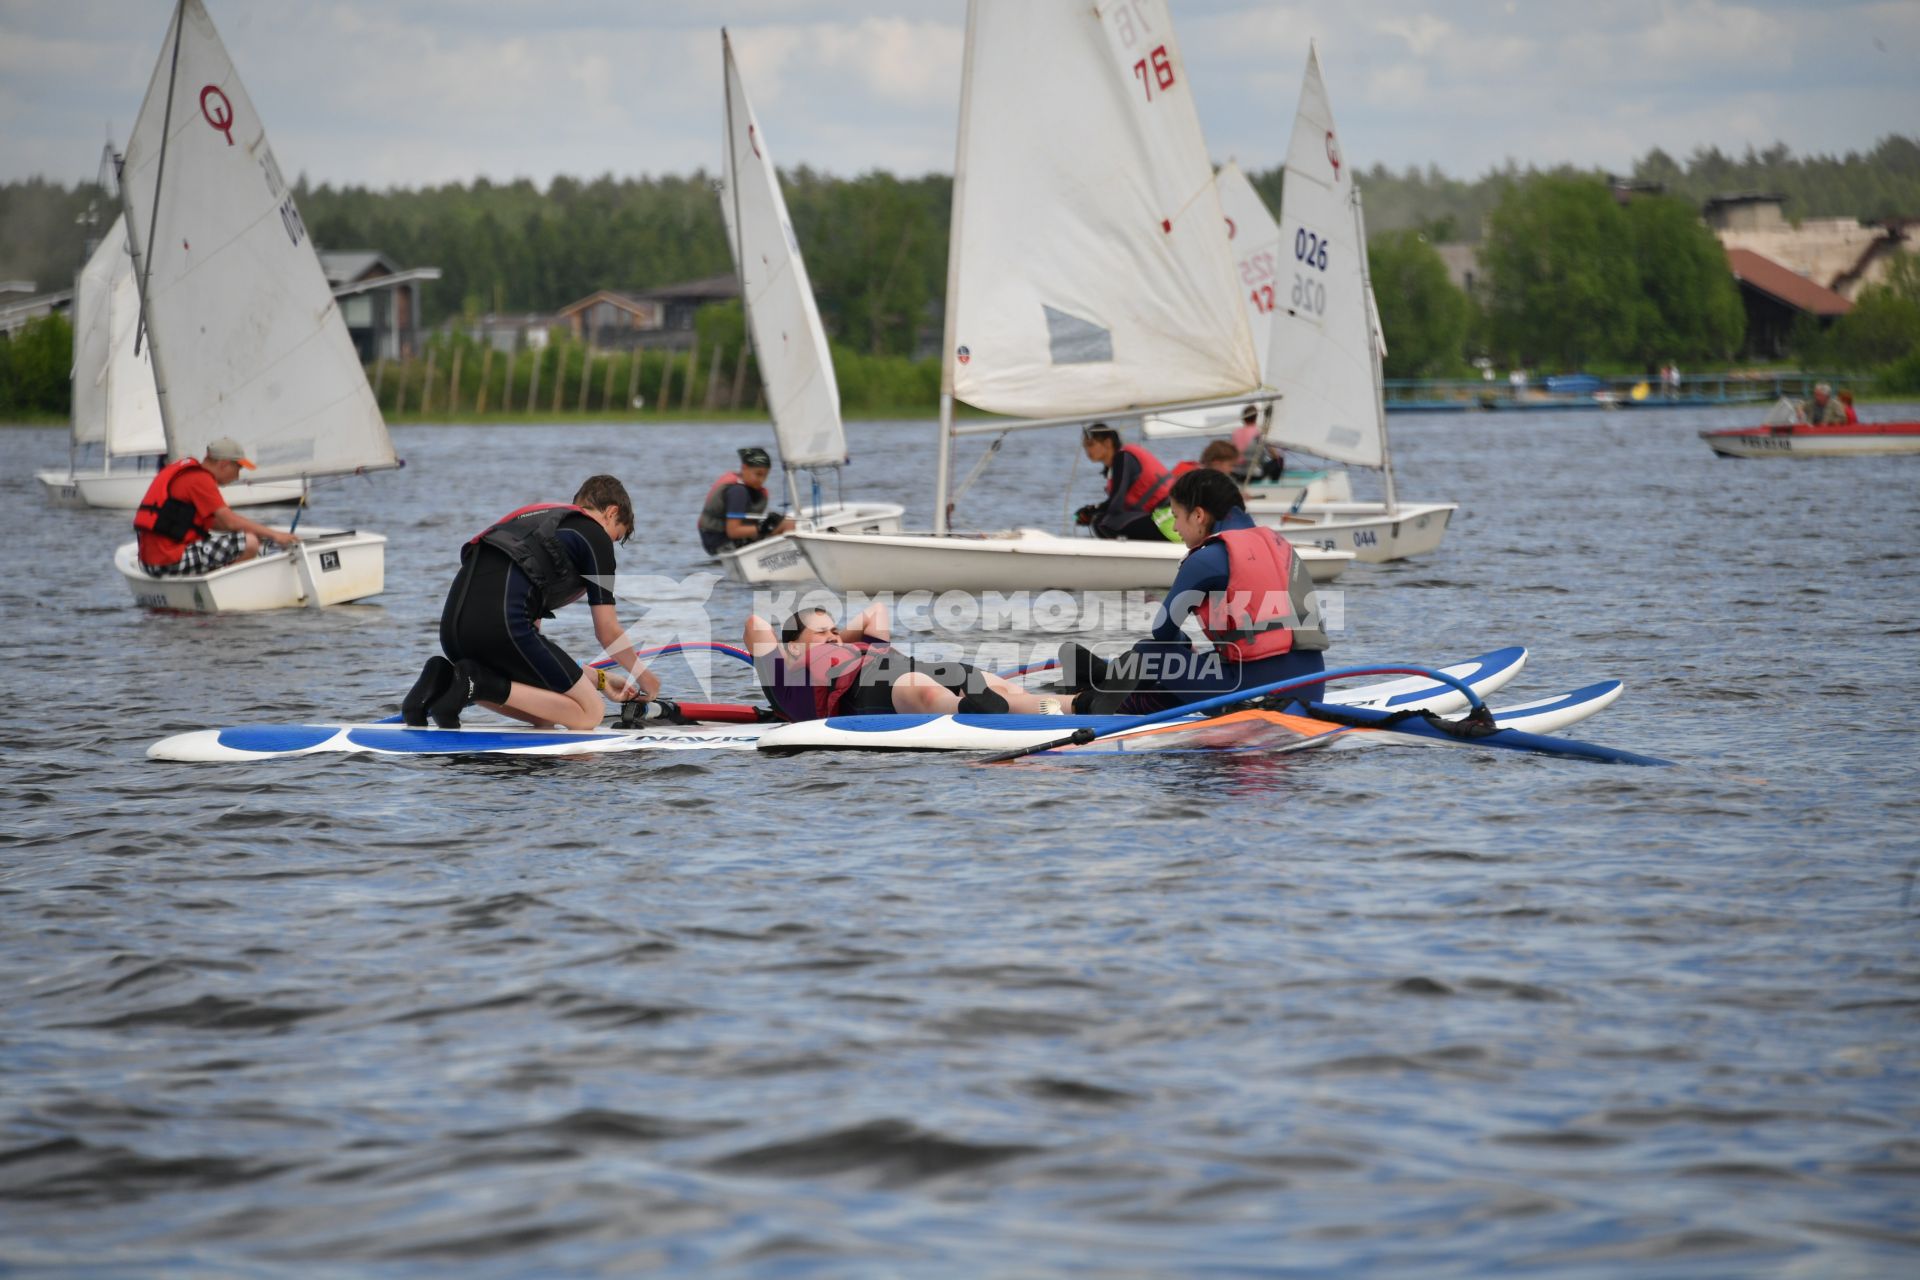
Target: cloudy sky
(408, 92)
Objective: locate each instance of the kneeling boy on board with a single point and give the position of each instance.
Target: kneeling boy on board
(514, 573)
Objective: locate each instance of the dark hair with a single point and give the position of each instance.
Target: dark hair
(1101, 431)
(1208, 491)
(1218, 450)
(1249, 412)
(790, 629)
(605, 491)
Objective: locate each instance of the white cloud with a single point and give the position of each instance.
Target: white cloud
(413, 91)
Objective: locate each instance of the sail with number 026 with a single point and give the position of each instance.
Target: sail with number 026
(1324, 344)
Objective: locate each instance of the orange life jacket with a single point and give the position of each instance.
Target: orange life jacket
(715, 521)
(1258, 616)
(1152, 486)
(162, 515)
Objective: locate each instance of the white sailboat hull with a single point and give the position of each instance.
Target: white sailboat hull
(1302, 487)
(1014, 560)
(122, 490)
(779, 559)
(1364, 528)
(342, 565)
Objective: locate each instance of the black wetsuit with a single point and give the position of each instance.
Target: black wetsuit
(491, 612)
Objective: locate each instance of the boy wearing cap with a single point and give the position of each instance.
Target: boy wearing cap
(735, 512)
(184, 524)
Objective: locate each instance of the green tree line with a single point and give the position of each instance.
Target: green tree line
(1569, 278)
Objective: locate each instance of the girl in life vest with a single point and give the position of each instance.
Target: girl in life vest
(1252, 597)
(1137, 484)
(811, 668)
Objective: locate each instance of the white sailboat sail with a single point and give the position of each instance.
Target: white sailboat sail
(1254, 237)
(1090, 270)
(134, 427)
(247, 339)
(788, 340)
(113, 397)
(1323, 348)
(91, 327)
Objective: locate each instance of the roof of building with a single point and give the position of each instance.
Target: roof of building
(348, 265)
(708, 289)
(724, 286)
(1768, 276)
(1745, 197)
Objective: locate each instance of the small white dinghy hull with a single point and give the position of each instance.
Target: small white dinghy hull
(1016, 560)
(1364, 528)
(122, 490)
(779, 559)
(1303, 487)
(336, 566)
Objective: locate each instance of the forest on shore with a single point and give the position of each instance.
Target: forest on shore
(1570, 277)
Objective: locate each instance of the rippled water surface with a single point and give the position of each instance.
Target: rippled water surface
(1427, 1012)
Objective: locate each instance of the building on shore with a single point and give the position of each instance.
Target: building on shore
(379, 301)
(1843, 255)
(654, 319)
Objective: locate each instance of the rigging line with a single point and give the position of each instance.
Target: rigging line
(978, 467)
(160, 171)
(1066, 496)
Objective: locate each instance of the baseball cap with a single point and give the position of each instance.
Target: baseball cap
(754, 456)
(227, 449)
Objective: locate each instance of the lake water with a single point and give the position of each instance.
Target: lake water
(1430, 1012)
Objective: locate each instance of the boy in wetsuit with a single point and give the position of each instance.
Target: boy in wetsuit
(513, 574)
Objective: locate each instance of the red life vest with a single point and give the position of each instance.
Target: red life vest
(1151, 489)
(830, 674)
(162, 515)
(534, 545)
(712, 521)
(1257, 616)
(1181, 468)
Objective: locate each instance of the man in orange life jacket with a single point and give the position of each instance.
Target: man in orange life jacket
(1254, 601)
(184, 524)
(735, 512)
(514, 573)
(1137, 482)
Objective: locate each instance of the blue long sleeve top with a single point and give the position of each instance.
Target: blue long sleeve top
(1202, 573)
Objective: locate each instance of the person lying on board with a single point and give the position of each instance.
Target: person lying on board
(1258, 459)
(1137, 482)
(184, 525)
(811, 669)
(1251, 594)
(735, 512)
(512, 574)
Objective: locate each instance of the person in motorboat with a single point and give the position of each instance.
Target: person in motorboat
(184, 524)
(1258, 458)
(1825, 411)
(513, 574)
(735, 511)
(810, 669)
(1137, 483)
(1251, 594)
(1846, 407)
